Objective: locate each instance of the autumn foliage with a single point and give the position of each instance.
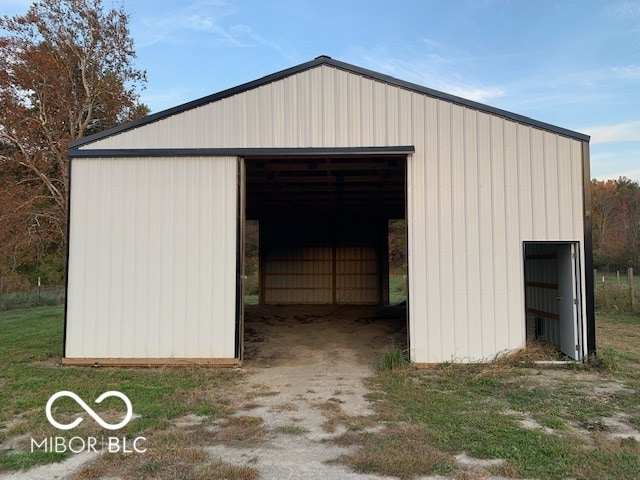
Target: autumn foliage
(66, 71)
(616, 223)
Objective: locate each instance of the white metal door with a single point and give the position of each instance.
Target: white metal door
(569, 301)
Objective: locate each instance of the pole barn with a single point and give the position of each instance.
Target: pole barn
(323, 155)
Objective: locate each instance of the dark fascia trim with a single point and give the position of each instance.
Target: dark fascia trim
(240, 152)
(588, 250)
(324, 60)
(66, 267)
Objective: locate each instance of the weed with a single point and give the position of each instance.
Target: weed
(605, 359)
(392, 359)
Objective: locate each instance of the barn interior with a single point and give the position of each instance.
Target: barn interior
(323, 226)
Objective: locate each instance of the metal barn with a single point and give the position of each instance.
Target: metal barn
(497, 208)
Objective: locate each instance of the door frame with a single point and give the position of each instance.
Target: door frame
(405, 151)
(567, 290)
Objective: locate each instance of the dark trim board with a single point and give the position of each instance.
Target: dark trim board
(239, 152)
(328, 61)
(588, 250)
(66, 267)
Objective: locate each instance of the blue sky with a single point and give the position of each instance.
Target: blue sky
(575, 64)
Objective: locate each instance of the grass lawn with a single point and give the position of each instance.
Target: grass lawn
(397, 289)
(30, 372)
(547, 423)
(532, 422)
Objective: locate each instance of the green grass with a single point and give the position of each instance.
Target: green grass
(397, 289)
(443, 411)
(30, 372)
(392, 358)
(251, 299)
(478, 410)
(431, 415)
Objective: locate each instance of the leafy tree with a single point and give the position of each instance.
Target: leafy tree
(66, 71)
(397, 246)
(616, 223)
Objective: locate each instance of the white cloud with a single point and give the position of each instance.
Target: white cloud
(477, 94)
(431, 70)
(620, 132)
(196, 18)
(626, 9)
(629, 71)
(205, 23)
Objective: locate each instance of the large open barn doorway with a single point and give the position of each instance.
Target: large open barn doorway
(320, 229)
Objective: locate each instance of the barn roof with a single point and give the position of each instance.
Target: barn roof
(328, 61)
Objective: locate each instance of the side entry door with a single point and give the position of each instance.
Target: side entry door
(569, 301)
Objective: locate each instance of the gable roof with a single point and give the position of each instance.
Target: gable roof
(325, 60)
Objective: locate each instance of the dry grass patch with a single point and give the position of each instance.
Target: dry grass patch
(335, 415)
(228, 471)
(285, 407)
(242, 431)
(401, 450)
(258, 391)
(535, 351)
(156, 463)
(292, 429)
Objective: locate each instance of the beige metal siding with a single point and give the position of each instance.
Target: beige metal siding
(152, 267)
(481, 187)
(478, 186)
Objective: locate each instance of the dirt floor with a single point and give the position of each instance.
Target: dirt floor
(321, 336)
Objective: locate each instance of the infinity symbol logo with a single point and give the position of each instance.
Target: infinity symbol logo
(89, 410)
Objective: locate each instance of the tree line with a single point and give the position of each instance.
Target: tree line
(616, 223)
(67, 70)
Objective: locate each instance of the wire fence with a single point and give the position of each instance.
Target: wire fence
(617, 292)
(40, 295)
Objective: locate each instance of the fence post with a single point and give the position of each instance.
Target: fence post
(632, 289)
(39, 291)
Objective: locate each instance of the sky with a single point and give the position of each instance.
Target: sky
(574, 64)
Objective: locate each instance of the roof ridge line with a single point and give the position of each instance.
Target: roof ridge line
(316, 62)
